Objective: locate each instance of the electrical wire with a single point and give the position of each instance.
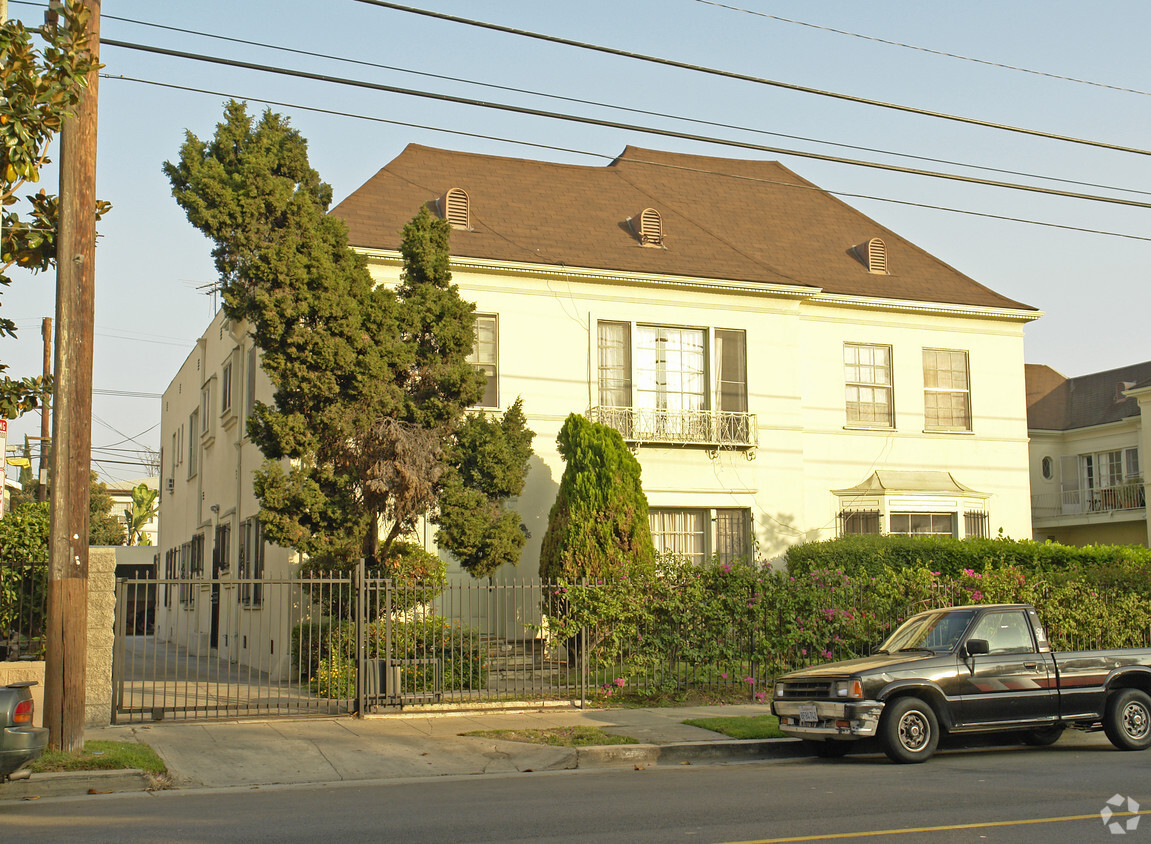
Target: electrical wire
(610, 124)
(1000, 65)
(743, 77)
(597, 104)
(602, 156)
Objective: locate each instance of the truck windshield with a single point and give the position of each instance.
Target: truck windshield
(931, 631)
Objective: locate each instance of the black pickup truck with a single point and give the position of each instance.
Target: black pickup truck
(974, 669)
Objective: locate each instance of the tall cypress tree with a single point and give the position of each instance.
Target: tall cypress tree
(597, 527)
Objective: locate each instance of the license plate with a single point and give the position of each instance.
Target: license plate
(808, 714)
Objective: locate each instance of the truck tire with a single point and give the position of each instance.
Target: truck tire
(1127, 720)
(909, 730)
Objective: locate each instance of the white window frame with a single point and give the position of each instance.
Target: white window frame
(226, 379)
(716, 388)
(193, 444)
(208, 409)
(699, 527)
(932, 518)
(934, 390)
(485, 357)
(1131, 465)
(858, 361)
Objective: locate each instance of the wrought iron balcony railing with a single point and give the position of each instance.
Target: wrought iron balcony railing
(715, 428)
(1131, 496)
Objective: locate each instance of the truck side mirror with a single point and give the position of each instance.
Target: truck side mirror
(974, 647)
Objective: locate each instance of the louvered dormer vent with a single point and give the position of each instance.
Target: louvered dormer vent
(877, 256)
(456, 208)
(650, 228)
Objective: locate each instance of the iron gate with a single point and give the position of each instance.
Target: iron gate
(223, 647)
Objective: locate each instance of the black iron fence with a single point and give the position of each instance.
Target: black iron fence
(334, 643)
(23, 610)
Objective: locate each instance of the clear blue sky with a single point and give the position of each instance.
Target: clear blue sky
(152, 266)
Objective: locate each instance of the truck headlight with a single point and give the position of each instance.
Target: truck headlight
(848, 688)
(780, 688)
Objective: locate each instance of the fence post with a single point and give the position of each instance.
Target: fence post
(118, 631)
(358, 591)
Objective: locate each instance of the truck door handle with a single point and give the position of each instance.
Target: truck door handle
(1031, 665)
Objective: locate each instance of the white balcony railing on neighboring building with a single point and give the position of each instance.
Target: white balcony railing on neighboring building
(716, 428)
(1108, 499)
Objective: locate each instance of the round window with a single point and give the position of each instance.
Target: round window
(1048, 468)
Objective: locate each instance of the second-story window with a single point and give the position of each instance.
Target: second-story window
(946, 390)
(226, 387)
(193, 443)
(485, 358)
(670, 368)
(671, 380)
(868, 387)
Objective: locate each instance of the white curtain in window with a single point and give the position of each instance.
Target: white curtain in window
(614, 364)
(678, 532)
(669, 368)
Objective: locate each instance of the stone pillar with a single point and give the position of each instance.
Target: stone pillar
(101, 639)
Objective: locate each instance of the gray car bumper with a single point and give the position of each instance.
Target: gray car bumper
(19, 746)
(834, 720)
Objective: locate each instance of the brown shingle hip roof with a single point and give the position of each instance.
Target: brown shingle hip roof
(741, 220)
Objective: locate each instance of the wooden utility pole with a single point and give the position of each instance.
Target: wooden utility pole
(45, 414)
(72, 421)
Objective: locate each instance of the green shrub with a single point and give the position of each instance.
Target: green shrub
(1119, 565)
(334, 678)
(325, 653)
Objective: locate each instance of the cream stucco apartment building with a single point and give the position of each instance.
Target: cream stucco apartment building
(1088, 443)
(785, 368)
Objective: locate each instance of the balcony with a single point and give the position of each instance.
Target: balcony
(713, 428)
(1112, 500)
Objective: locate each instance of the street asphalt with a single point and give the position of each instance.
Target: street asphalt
(229, 754)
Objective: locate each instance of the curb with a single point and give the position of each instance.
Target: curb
(681, 753)
(76, 783)
(83, 783)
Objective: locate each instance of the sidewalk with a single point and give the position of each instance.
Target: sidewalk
(401, 746)
(320, 750)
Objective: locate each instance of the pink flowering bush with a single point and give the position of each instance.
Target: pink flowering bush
(736, 625)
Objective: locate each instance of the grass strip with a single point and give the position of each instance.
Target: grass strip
(746, 727)
(102, 756)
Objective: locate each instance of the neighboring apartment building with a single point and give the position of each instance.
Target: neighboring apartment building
(785, 368)
(121, 494)
(1088, 446)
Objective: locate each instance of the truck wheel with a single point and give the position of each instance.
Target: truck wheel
(909, 730)
(1127, 720)
(1044, 736)
(827, 749)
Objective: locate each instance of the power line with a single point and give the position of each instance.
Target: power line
(127, 394)
(743, 77)
(943, 53)
(611, 124)
(356, 116)
(612, 106)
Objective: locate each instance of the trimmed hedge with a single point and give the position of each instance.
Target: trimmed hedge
(743, 624)
(1126, 567)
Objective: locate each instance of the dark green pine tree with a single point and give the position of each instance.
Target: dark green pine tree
(369, 383)
(597, 527)
(488, 464)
